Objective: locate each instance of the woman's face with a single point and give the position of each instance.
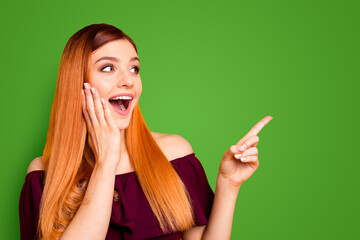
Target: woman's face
(114, 72)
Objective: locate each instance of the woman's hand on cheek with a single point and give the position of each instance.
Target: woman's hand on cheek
(241, 160)
(103, 134)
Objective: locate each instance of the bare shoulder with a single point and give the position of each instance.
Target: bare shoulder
(36, 164)
(173, 145)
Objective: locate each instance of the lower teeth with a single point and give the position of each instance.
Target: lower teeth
(122, 107)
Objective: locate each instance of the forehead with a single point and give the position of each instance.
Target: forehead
(121, 49)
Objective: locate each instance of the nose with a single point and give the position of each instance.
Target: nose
(125, 80)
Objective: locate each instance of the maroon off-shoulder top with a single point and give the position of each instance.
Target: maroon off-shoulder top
(133, 218)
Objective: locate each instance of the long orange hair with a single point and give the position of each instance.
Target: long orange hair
(68, 160)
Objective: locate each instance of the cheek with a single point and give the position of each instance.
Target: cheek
(101, 91)
(100, 88)
(139, 90)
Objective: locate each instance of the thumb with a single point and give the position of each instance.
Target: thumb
(229, 154)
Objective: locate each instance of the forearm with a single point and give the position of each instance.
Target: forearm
(91, 221)
(221, 217)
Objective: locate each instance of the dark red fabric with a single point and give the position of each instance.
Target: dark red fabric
(133, 218)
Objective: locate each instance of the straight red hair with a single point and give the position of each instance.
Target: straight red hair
(68, 160)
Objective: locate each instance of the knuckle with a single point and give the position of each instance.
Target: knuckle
(112, 132)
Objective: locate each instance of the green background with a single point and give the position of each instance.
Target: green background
(210, 71)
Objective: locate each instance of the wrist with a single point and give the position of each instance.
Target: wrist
(105, 167)
(225, 183)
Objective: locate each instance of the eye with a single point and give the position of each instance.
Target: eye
(136, 69)
(107, 67)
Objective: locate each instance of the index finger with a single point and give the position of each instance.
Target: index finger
(257, 128)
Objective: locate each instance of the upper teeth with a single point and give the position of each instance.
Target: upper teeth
(121, 97)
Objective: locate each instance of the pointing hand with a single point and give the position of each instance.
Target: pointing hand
(241, 160)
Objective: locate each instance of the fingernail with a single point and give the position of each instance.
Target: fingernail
(242, 148)
(103, 101)
(86, 85)
(93, 90)
(243, 159)
(238, 155)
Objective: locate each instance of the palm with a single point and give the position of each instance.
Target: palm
(238, 171)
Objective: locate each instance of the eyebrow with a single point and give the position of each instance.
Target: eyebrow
(116, 59)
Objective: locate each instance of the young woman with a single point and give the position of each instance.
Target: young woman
(104, 175)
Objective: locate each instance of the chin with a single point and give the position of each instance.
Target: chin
(122, 122)
(122, 125)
